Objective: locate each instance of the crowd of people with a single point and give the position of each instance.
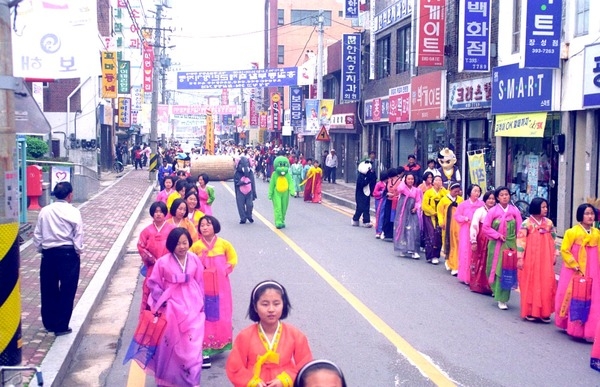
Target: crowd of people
(484, 242)
(186, 266)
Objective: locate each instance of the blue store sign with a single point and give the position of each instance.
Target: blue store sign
(516, 90)
(541, 40)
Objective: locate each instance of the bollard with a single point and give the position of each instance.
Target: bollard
(10, 296)
(152, 165)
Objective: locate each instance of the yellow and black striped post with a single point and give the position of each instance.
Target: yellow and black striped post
(10, 296)
(153, 165)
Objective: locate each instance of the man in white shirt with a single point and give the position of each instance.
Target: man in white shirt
(331, 162)
(58, 236)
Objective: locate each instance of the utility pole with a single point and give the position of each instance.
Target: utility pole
(10, 296)
(320, 146)
(155, 79)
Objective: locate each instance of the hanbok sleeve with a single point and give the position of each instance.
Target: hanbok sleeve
(211, 194)
(236, 366)
(565, 249)
(302, 352)
(459, 215)
(474, 229)
(142, 247)
(231, 255)
(522, 239)
(487, 225)
(428, 209)
(418, 198)
(441, 212)
(155, 282)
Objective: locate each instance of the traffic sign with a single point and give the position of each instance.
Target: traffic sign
(323, 135)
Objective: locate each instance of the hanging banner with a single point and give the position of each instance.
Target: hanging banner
(210, 134)
(148, 67)
(477, 170)
(372, 40)
(541, 22)
(109, 74)
(124, 112)
(431, 21)
(350, 9)
(520, 125)
(474, 36)
(52, 41)
(325, 111)
(262, 120)
(350, 84)
(257, 78)
(124, 77)
(312, 116)
(276, 117)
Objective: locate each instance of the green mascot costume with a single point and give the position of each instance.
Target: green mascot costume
(281, 188)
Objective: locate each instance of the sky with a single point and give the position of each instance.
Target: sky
(216, 34)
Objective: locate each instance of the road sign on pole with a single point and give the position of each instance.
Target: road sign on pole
(323, 135)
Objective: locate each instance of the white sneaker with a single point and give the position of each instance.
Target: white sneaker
(382, 236)
(446, 264)
(367, 225)
(502, 305)
(454, 272)
(415, 256)
(435, 261)
(354, 223)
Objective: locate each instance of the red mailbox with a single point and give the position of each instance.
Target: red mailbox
(34, 186)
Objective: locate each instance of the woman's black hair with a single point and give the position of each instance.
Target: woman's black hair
(204, 177)
(392, 172)
(500, 189)
(487, 195)
(426, 175)
(259, 290)
(155, 205)
(383, 175)
(176, 203)
(173, 238)
(172, 178)
(535, 207)
(192, 193)
(180, 184)
(581, 209)
(314, 366)
(211, 220)
(470, 189)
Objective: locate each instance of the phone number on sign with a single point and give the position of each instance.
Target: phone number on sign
(543, 51)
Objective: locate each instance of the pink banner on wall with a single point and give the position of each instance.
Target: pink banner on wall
(400, 107)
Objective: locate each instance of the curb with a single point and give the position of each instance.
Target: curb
(58, 359)
(343, 202)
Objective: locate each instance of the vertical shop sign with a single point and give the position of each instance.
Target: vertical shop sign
(474, 35)
(148, 67)
(124, 112)
(431, 19)
(372, 41)
(312, 115)
(109, 74)
(296, 106)
(540, 40)
(591, 76)
(351, 44)
(350, 9)
(276, 111)
(124, 77)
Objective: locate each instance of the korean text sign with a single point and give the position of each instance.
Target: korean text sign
(474, 35)
(540, 42)
(591, 76)
(516, 90)
(109, 74)
(470, 94)
(350, 9)
(400, 104)
(257, 78)
(351, 44)
(428, 97)
(296, 99)
(431, 20)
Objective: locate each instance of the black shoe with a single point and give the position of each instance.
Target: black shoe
(250, 220)
(62, 333)
(206, 363)
(242, 222)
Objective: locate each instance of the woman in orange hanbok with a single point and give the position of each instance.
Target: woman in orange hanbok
(179, 218)
(536, 253)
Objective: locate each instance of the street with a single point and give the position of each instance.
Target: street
(385, 320)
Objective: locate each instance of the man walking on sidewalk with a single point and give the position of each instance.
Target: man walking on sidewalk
(331, 162)
(58, 236)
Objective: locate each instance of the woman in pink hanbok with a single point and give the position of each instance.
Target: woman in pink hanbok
(169, 189)
(579, 252)
(219, 258)
(152, 244)
(464, 216)
(177, 279)
(206, 194)
(407, 225)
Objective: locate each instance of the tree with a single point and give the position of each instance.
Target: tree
(36, 148)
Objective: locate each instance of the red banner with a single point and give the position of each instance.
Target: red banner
(276, 116)
(431, 18)
(148, 64)
(428, 97)
(202, 109)
(399, 108)
(253, 113)
(263, 120)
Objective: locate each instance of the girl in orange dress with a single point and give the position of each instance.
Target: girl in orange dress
(179, 218)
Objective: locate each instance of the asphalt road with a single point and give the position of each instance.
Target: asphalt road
(385, 320)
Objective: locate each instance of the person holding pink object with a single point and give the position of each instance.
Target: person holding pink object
(464, 216)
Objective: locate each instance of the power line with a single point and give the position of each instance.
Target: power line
(306, 44)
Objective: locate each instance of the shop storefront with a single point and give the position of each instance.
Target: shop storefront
(345, 137)
(379, 136)
(524, 126)
(469, 103)
(399, 117)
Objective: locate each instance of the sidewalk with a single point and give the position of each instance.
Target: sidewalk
(109, 218)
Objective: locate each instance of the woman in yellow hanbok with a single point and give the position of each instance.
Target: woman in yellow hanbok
(450, 227)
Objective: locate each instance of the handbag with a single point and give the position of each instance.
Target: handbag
(508, 279)
(581, 298)
(146, 338)
(211, 294)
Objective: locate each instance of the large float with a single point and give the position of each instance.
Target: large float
(217, 167)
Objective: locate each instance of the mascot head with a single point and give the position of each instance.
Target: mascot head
(242, 165)
(364, 167)
(281, 165)
(447, 159)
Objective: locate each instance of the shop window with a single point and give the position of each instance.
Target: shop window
(582, 14)
(516, 41)
(280, 54)
(280, 18)
(403, 49)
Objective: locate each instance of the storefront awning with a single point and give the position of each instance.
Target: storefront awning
(29, 118)
(520, 125)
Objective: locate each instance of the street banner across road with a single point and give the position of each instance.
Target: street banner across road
(256, 78)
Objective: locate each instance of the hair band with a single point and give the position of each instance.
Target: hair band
(267, 283)
(318, 361)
